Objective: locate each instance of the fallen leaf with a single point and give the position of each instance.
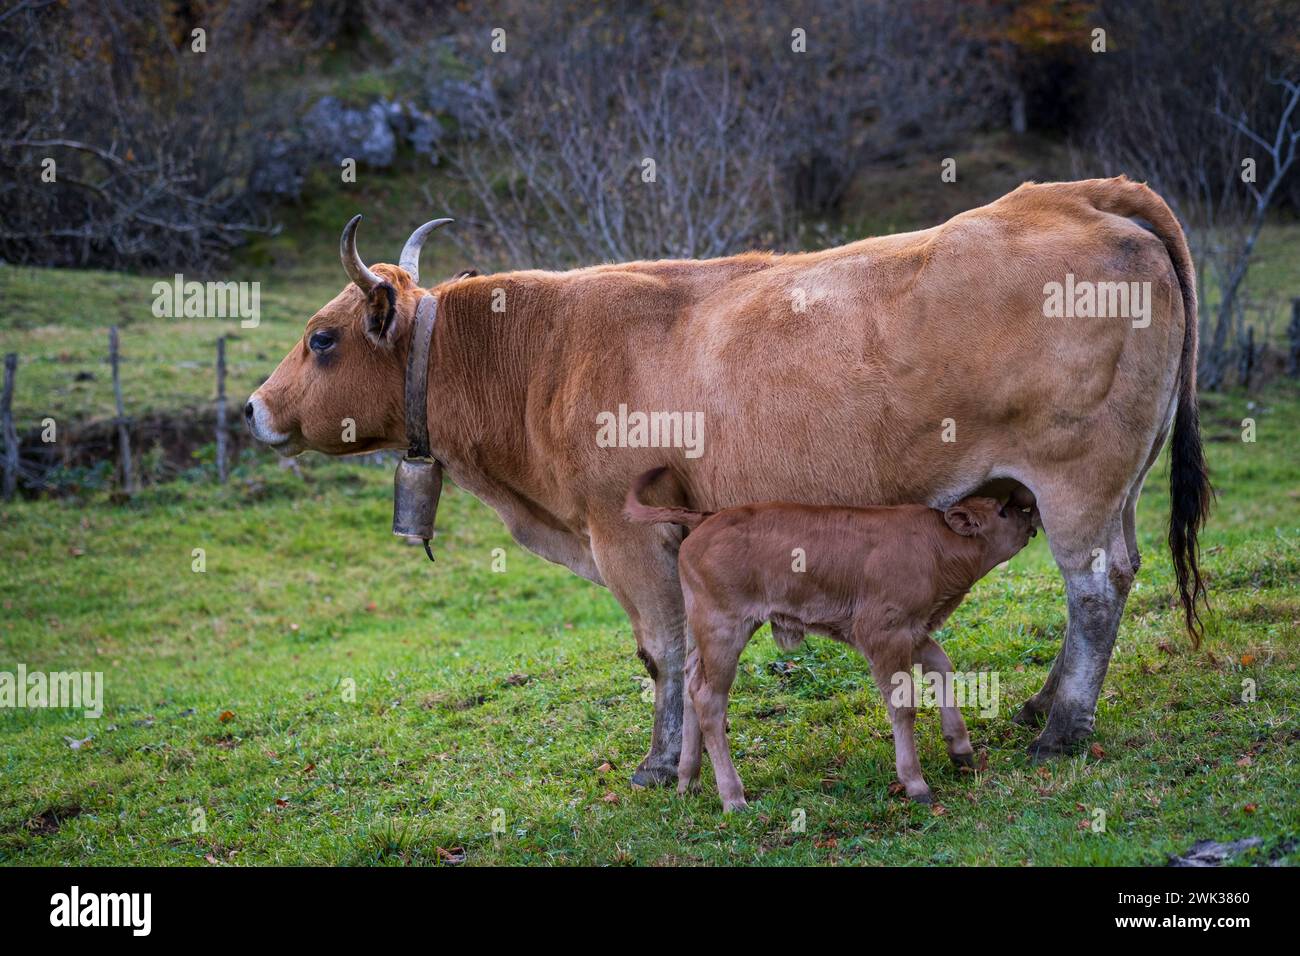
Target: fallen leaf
(1247, 660)
(226, 716)
(1250, 807)
(1096, 751)
(604, 768)
(829, 843)
(610, 797)
(75, 744)
(372, 607)
(1245, 761)
(938, 810)
(281, 802)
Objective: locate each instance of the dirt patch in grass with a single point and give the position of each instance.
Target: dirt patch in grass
(50, 820)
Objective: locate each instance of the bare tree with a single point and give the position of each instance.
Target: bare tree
(597, 150)
(699, 137)
(1278, 143)
(1187, 136)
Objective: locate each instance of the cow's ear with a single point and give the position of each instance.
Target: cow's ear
(381, 312)
(962, 520)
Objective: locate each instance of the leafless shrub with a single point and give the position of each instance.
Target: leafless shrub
(753, 124)
(620, 151)
(913, 78)
(152, 142)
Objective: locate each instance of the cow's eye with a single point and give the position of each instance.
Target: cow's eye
(321, 342)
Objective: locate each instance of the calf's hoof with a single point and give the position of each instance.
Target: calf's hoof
(690, 785)
(731, 806)
(921, 796)
(963, 760)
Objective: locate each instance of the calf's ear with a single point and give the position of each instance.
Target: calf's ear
(381, 311)
(962, 520)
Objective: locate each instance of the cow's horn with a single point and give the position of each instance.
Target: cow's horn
(410, 260)
(357, 270)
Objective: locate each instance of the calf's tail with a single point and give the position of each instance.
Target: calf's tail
(646, 514)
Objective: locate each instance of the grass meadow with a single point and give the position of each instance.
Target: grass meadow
(319, 693)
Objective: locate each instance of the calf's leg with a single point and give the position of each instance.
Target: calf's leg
(891, 666)
(718, 643)
(688, 768)
(933, 660)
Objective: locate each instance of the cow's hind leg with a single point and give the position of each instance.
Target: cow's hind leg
(1035, 710)
(1095, 561)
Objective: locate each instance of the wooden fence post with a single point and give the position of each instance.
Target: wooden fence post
(7, 426)
(1293, 340)
(123, 437)
(221, 409)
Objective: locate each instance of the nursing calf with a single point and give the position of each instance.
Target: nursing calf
(880, 579)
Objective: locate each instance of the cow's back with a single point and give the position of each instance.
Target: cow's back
(836, 376)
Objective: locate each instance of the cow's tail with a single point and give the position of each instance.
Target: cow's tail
(645, 514)
(1190, 493)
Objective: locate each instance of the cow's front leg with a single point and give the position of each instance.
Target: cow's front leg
(639, 565)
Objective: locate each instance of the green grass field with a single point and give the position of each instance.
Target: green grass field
(498, 715)
(321, 694)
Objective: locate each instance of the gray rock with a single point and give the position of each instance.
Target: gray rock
(339, 132)
(1210, 853)
(278, 169)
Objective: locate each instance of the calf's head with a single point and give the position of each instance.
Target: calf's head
(340, 388)
(1003, 528)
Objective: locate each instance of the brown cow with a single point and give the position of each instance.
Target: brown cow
(920, 367)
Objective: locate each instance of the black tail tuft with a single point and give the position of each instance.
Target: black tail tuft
(1190, 495)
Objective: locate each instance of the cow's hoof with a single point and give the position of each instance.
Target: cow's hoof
(922, 797)
(732, 806)
(963, 760)
(648, 778)
(1030, 715)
